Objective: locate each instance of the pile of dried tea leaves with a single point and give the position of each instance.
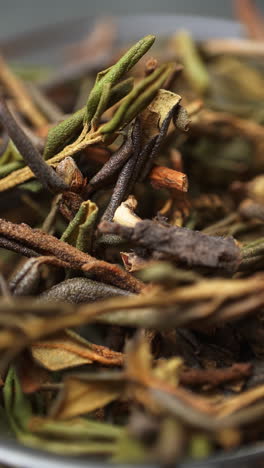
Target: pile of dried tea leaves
(132, 248)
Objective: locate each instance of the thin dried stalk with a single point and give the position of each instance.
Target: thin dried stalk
(32, 157)
(46, 244)
(19, 92)
(241, 47)
(22, 175)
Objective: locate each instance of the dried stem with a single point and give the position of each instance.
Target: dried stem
(19, 92)
(241, 47)
(32, 157)
(163, 177)
(123, 184)
(113, 165)
(45, 244)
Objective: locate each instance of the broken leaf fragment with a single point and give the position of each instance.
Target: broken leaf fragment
(156, 112)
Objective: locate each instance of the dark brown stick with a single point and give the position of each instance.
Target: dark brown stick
(30, 154)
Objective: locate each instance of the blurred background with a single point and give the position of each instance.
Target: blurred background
(17, 16)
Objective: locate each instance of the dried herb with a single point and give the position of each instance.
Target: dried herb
(132, 266)
(80, 290)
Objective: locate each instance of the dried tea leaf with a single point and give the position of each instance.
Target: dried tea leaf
(53, 356)
(80, 397)
(68, 349)
(113, 74)
(80, 290)
(156, 112)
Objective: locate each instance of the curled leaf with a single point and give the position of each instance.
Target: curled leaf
(80, 230)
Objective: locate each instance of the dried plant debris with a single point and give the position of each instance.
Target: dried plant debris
(180, 244)
(132, 247)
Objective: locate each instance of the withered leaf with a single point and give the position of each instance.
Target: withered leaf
(68, 349)
(80, 396)
(153, 117)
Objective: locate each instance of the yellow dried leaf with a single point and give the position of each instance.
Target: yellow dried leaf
(54, 357)
(80, 397)
(67, 349)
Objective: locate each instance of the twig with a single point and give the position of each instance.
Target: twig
(163, 177)
(49, 109)
(32, 157)
(17, 247)
(241, 47)
(17, 89)
(181, 244)
(112, 166)
(124, 179)
(45, 244)
(215, 377)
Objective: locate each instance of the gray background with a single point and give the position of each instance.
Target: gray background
(20, 15)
